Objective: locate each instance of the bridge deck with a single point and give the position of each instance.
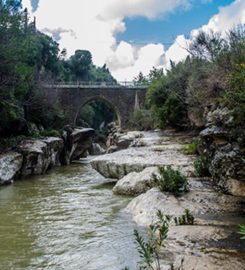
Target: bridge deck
(104, 85)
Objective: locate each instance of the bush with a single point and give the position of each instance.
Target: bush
(149, 249)
(191, 148)
(142, 119)
(51, 133)
(201, 167)
(170, 180)
(186, 219)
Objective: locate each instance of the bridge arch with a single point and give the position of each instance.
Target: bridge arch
(105, 101)
(123, 99)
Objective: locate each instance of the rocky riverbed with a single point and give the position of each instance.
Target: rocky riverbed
(212, 242)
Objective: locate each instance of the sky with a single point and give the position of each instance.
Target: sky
(130, 36)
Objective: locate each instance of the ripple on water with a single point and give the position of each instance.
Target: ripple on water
(67, 219)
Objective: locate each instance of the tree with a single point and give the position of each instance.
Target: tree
(80, 64)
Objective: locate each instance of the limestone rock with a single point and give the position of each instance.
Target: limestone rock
(135, 159)
(76, 143)
(228, 170)
(135, 183)
(202, 248)
(35, 157)
(97, 149)
(10, 165)
(225, 159)
(200, 201)
(55, 146)
(40, 155)
(219, 117)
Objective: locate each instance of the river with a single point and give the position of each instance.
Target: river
(66, 219)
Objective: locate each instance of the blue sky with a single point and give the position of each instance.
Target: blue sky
(164, 30)
(133, 35)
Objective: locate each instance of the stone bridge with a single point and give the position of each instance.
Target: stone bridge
(122, 98)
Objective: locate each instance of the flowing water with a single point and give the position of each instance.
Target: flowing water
(67, 219)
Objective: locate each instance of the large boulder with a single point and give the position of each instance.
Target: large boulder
(201, 200)
(76, 143)
(97, 149)
(228, 169)
(135, 183)
(55, 146)
(39, 155)
(225, 159)
(10, 165)
(35, 157)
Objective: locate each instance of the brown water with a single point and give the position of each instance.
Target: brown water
(67, 219)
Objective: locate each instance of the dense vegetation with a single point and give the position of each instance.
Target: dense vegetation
(28, 57)
(211, 76)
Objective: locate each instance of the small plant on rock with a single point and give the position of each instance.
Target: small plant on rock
(242, 231)
(170, 180)
(201, 167)
(149, 249)
(186, 219)
(191, 148)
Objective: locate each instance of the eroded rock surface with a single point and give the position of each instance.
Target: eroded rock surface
(135, 183)
(10, 165)
(39, 155)
(76, 143)
(212, 242)
(135, 159)
(224, 153)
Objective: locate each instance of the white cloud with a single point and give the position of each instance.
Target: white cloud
(93, 25)
(227, 17)
(225, 20)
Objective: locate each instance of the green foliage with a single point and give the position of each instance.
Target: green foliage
(170, 180)
(101, 74)
(242, 231)
(28, 57)
(191, 148)
(149, 249)
(186, 219)
(201, 167)
(212, 76)
(80, 64)
(166, 95)
(142, 119)
(51, 133)
(141, 80)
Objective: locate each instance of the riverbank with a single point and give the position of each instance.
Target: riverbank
(212, 242)
(36, 156)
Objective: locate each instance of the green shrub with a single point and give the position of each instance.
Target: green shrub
(142, 119)
(51, 133)
(242, 231)
(186, 219)
(201, 167)
(191, 148)
(149, 249)
(170, 180)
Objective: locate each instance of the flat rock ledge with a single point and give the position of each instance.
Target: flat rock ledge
(212, 242)
(136, 159)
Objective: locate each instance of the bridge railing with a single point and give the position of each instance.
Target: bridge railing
(88, 84)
